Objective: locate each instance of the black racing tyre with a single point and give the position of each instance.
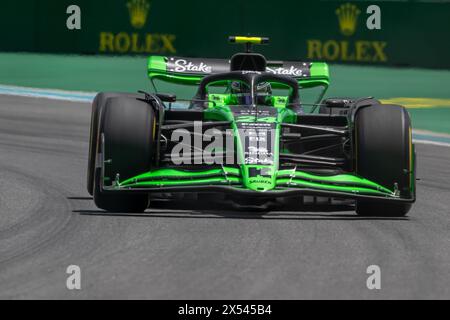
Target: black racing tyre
(384, 154)
(97, 106)
(324, 109)
(128, 128)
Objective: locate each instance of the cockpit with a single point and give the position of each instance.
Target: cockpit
(247, 89)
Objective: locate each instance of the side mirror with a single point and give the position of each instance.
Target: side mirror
(167, 97)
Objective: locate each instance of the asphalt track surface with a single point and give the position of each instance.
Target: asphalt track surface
(48, 222)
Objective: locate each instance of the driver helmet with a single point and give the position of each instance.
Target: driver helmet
(242, 92)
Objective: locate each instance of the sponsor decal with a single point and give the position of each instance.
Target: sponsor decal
(258, 143)
(182, 65)
(261, 181)
(291, 71)
(196, 65)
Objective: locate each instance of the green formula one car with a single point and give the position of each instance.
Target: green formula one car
(244, 128)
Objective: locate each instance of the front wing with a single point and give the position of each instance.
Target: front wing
(289, 182)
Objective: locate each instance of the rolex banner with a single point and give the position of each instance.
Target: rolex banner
(405, 33)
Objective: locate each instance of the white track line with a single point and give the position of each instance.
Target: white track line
(54, 94)
(434, 143)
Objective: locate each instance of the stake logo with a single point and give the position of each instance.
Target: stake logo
(348, 18)
(182, 65)
(292, 71)
(138, 10)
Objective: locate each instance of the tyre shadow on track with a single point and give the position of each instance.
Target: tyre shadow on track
(194, 210)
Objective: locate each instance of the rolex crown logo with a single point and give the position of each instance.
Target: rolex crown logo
(138, 10)
(348, 17)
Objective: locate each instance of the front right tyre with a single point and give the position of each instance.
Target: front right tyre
(97, 108)
(128, 128)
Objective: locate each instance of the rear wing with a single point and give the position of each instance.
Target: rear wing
(193, 70)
